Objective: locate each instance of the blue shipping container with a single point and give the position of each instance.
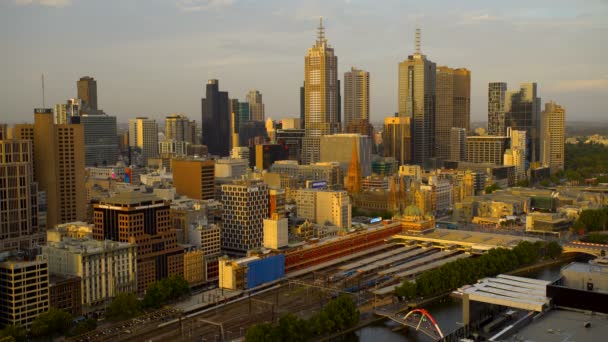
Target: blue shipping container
(265, 270)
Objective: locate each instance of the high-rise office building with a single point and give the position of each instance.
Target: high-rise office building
(144, 219)
(179, 127)
(417, 77)
(356, 96)
(65, 111)
(216, 120)
(100, 139)
(264, 155)
(496, 108)
(458, 144)
(245, 208)
(58, 165)
(3, 132)
(321, 96)
(87, 92)
(19, 225)
(143, 134)
(453, 106)
(397, 139)
(339, 147)
(522, 112)
(553, 135)
(486, 149)
(515, 155)
(256, 106)
(194, 177)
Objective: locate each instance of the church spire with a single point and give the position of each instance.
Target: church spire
(353, 175)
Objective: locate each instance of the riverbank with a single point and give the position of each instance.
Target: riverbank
(547, 263)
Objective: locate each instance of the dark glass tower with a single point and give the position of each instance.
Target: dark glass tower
(216, 120)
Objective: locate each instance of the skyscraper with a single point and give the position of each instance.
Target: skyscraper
(87, 92)
(453, 106)
(516, 154)
(65, 111)
(58, 165)
(100, 139)
(245, 208)
(143, 134)
(256, 106)
(458, 143)
(496, 108)
(19, 224)
(356, 96)
(397, 139)
(522, 112)
(216, 120)
(553, 134)
(417, 77)
(321, 96)
(179, 127)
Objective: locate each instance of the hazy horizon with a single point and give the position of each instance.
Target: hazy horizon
(154, 57)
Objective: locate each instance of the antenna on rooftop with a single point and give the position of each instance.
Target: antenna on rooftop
(418, 40)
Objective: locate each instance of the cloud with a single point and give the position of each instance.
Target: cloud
(201, 5)
(566, 86)
(47, 3)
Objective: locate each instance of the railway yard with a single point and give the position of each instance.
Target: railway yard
(367, 276)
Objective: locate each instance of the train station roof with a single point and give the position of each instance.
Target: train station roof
(510, 291)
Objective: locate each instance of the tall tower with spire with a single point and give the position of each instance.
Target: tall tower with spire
(321, 96)
(416, 100)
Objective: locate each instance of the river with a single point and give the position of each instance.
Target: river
(447, 314)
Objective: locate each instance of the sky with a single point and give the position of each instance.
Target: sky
(154, 57)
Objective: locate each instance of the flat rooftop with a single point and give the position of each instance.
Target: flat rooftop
(467, 238)
(561, 325)
(130, 198)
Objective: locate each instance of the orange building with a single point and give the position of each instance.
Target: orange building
(143, 219)
(194, 177)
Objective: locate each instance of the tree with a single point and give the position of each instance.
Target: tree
(292, 328)
(545, 182)
(260, 333)
(491, 188)
(164, 290)
(84, 327)
(51, 323)
(523, 183)
(15, 333)
(553, 249)
(124, 306)
(592, 220)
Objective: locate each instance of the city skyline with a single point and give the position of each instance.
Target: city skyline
(170, 64)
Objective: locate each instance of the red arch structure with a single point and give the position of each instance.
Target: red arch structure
(410, 317)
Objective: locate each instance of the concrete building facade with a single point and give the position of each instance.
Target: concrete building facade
(194, 178)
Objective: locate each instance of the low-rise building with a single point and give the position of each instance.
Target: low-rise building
(194, 267)
(66, 293)
(106, 268)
